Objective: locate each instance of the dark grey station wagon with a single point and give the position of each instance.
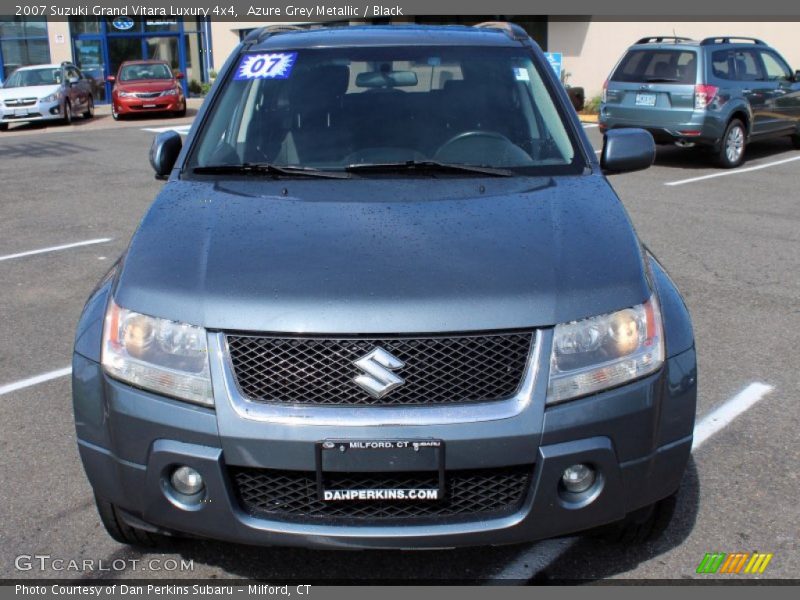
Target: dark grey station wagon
(386, 298)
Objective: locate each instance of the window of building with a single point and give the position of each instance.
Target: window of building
(23, 41)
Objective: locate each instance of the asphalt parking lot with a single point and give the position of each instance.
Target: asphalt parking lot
(730, 240)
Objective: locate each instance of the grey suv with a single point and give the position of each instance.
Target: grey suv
(386, 298)
(721, 92)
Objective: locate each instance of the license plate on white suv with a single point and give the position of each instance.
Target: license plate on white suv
(645, 99)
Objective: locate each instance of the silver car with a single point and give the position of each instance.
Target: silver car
(45, 92)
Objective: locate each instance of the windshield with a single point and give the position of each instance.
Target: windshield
(142, 72)
(32, 77)
(336, 108)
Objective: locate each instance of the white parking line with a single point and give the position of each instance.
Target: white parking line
(181, 129)
(541, 555)
(55, 248)
(733, 171)
(723, 415)
(23, 383)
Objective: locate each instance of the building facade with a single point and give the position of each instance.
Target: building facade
(196, 46)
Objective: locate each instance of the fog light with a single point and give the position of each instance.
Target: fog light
(187, 481)
(578, 478)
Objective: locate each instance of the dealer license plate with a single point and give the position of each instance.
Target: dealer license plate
(376, 459)
(645, 99)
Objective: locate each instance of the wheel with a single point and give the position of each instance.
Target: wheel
(114, 112)
(3, 126)
(89, 109)
(67, 113)
(118, 529)
(642, 525)
(796, 140)
(180, 113)
(731, 151)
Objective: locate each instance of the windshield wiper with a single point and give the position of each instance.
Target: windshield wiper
(269, 169)
(427, 166)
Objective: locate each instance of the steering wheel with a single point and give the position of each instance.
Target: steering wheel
(475, 133)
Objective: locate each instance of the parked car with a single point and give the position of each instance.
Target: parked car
(146, 86)
(387, 298)
(45, 92)
(721, 92)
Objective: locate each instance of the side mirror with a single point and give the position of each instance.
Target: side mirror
(164, 152)
(111, 79)
(178, 75)
(627, 150)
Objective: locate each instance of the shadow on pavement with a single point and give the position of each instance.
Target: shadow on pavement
(701, 158)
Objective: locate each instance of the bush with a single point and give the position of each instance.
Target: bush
(195, 87)
(205, 88)
(593, 106)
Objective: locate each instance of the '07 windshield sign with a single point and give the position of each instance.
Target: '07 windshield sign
(265, 66)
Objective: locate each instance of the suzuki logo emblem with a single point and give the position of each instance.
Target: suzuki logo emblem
(379, 379)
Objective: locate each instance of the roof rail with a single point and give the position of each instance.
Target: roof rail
(514, 31)
(262, 33)
(727, 39)
(657, 39)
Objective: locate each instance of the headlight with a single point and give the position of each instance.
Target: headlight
(51, 98)
(169, 93)
(126, 95)
(602, 352)
(156, 354)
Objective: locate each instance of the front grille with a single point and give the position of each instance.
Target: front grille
(147, 94)
(20, 102)
(437, 369)
(292, 495)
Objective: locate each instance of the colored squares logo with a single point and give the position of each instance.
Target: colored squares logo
(735, 563)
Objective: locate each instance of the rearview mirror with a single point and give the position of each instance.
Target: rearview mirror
(627, 150)
(164, 152)
(386, 79)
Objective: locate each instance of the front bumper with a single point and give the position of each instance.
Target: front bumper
(129, 106)
(637, 436)
(38, 111)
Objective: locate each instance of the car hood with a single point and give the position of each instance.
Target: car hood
(383, 255)
(155, 85)
(35, 91)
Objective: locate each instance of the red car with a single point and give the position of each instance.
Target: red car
(143, 86)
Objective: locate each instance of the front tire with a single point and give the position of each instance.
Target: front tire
(732, 146)
(115, 115)
(67, 113)
(89, 113)
(120, 531)
(796, 140)
(642, 525)
(3, 126)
